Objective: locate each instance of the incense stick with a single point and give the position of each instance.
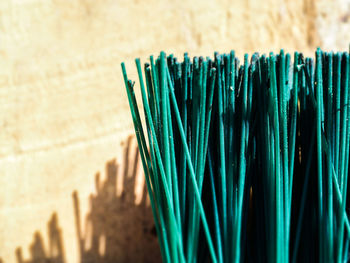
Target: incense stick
(242, 162)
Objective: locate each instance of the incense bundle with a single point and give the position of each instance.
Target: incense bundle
(246, 162)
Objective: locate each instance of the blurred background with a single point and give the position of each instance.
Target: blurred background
(71, 188)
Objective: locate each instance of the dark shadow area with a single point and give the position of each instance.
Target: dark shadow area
(115, 229)
(38, 253)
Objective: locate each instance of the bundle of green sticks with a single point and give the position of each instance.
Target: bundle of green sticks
(246, 162)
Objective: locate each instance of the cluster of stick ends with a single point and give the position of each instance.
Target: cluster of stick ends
(246, 162)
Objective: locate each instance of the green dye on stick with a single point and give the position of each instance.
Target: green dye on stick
(246, 163)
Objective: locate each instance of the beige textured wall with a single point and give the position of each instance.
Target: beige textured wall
(64, 116)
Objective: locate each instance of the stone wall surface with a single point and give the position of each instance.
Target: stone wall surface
(71, 188)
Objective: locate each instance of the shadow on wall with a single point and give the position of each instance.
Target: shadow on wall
(37, 250)
(118, 227)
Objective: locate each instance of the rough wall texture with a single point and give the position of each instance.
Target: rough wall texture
(64, 113)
